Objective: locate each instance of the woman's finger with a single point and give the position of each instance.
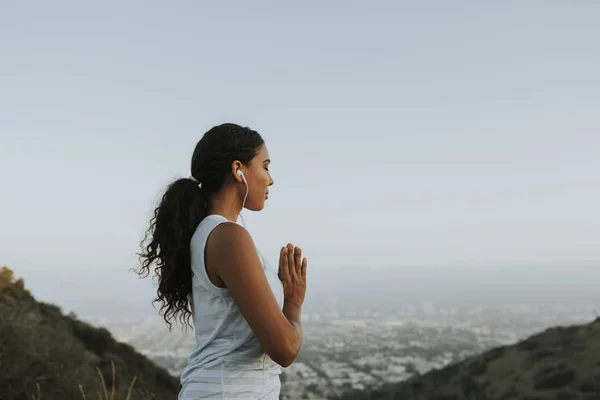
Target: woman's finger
(290, 257)
(303, 269)
(283, 264)
(298, 259)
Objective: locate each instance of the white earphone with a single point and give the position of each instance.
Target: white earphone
(240, 173)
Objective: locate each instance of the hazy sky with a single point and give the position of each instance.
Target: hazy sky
(402, 134)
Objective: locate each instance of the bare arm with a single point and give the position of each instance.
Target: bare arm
(233, 253)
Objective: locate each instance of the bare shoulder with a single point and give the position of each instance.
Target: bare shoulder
(229, 239)
(232, 255)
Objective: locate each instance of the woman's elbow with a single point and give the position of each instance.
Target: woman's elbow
(285, 355)
(285, 359)
(285, 348)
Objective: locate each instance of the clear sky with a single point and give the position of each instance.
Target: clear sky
(402, 134)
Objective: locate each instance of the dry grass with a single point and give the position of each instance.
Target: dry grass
(39, 393)
(105, 389)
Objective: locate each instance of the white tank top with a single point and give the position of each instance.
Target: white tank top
(228, 361)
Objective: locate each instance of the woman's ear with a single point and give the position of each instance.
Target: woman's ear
(235, 167)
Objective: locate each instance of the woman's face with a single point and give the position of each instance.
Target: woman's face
(259, 179)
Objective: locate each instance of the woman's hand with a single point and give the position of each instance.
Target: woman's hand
(292, 273)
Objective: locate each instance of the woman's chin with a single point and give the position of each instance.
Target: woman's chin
(256, 207)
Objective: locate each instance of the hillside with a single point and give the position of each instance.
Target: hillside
(47, 355)
(560, 363)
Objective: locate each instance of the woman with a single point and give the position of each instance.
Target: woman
(246, 314)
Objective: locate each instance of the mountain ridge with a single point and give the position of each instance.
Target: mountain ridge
(45, 354)
(558, 363)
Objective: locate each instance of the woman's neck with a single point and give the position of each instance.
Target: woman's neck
(226, 203)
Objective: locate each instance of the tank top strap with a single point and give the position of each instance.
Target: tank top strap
(197, 248)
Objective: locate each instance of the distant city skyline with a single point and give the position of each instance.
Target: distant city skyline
(402, 136)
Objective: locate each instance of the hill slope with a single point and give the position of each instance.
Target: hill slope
(559, 363)
(39, 346)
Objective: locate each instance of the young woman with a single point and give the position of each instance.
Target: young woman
(246, 314)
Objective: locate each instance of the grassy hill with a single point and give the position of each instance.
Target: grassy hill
(47, 355)
(560, 363)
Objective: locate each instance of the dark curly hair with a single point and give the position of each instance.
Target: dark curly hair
(182, 207)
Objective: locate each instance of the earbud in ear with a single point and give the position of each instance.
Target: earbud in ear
(240, 173)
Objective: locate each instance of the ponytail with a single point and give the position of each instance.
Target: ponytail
(182, 207)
